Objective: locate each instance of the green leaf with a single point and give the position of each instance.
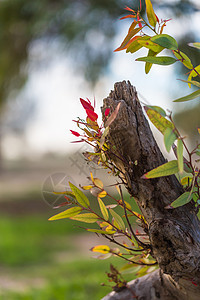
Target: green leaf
(159, 109)
(118, 220)
(104, 210)
(165, 41)
(158, 120)
(180, 155)
(184, 59)
(196, 83)
(150, 45)
(80, 196)
(73, 211)
(188, 97)
(134, 45)
(169, 138)
(160, 60)
(109, 232)
(150, 13)
(87, 218)
(166, 169)
(193, 73)
(180, 201)
(195, 45)
(101, 248)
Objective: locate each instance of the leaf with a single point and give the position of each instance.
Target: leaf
(109, 232)
(158, 120)
(80, 196)
(103, 137)
(113, 115)
(196, 83)
(169, 138)
(128, 37)
(180, 155)
(166, 169)
(195, 45)
(87, 187)
(147, 43)
(165, 41)
(68, 193)
(101, 248)
(127, 205)
(184, 59)
(91, 115)
(102, 194)
(148, 65)
(87, 218)
(180, 201)
(186, 180)
(134, 45)
(119, 222)
(193, 73)
(160, 60)
(98, 183)
(86, 104)
(159, 109)
(103, 209)
(188, 97)
(150, 13)
(73, 211)
(111, 206)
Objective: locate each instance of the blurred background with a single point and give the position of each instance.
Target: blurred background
(51, 54)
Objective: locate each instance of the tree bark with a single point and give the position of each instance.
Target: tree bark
(174, 234)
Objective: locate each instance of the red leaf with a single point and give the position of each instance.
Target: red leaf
(107, 112)
(127, 8)
(75, 133)
(91, 115)
(126, 17)
(86, 104)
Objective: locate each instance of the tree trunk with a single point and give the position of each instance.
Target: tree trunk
(174, 234)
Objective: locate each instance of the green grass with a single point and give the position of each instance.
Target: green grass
(32, 239)
(77, 280)
(31, 248)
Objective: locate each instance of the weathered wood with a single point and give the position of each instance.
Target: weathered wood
(174, 234)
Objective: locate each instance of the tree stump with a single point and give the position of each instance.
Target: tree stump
(174, 234)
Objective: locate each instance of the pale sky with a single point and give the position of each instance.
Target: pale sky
(58, 87)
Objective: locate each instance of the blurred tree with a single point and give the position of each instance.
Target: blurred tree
(85, 26)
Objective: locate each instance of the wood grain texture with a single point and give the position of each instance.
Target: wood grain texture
(174, 234)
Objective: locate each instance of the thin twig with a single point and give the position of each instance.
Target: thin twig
(130, 227)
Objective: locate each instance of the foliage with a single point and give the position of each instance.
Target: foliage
(113, 220)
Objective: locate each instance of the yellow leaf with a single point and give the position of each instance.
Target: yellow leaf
(87, 187)
(87, 218)
(150, 13)
(101, 248)
(102, 194)
(186, 180)
(73, 211)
